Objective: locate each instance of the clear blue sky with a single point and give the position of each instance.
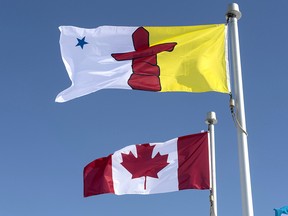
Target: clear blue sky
(44, 146)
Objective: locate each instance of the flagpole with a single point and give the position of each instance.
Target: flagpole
(233, 14)
(211, 120)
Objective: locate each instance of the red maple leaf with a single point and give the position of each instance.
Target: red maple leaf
(144, 164)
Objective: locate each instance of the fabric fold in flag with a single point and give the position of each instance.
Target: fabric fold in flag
(178, 164)
(281, 211)
(160, 59)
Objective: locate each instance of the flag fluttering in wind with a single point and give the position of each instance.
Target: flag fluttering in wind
(281, 211)
(161, 59)
(178, 164)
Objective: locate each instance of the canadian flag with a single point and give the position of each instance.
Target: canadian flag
(178, 164)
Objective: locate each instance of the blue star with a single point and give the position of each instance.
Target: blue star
(81, 42)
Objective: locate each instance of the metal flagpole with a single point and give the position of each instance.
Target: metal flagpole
(211, 120)
(233, 15)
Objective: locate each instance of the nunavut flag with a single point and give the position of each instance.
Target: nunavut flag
(178, 164)
(161, 59)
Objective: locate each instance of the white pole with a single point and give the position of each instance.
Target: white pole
(233, 14)
(211, 120)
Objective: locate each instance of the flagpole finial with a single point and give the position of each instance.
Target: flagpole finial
(211, 118)
(233, 11)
